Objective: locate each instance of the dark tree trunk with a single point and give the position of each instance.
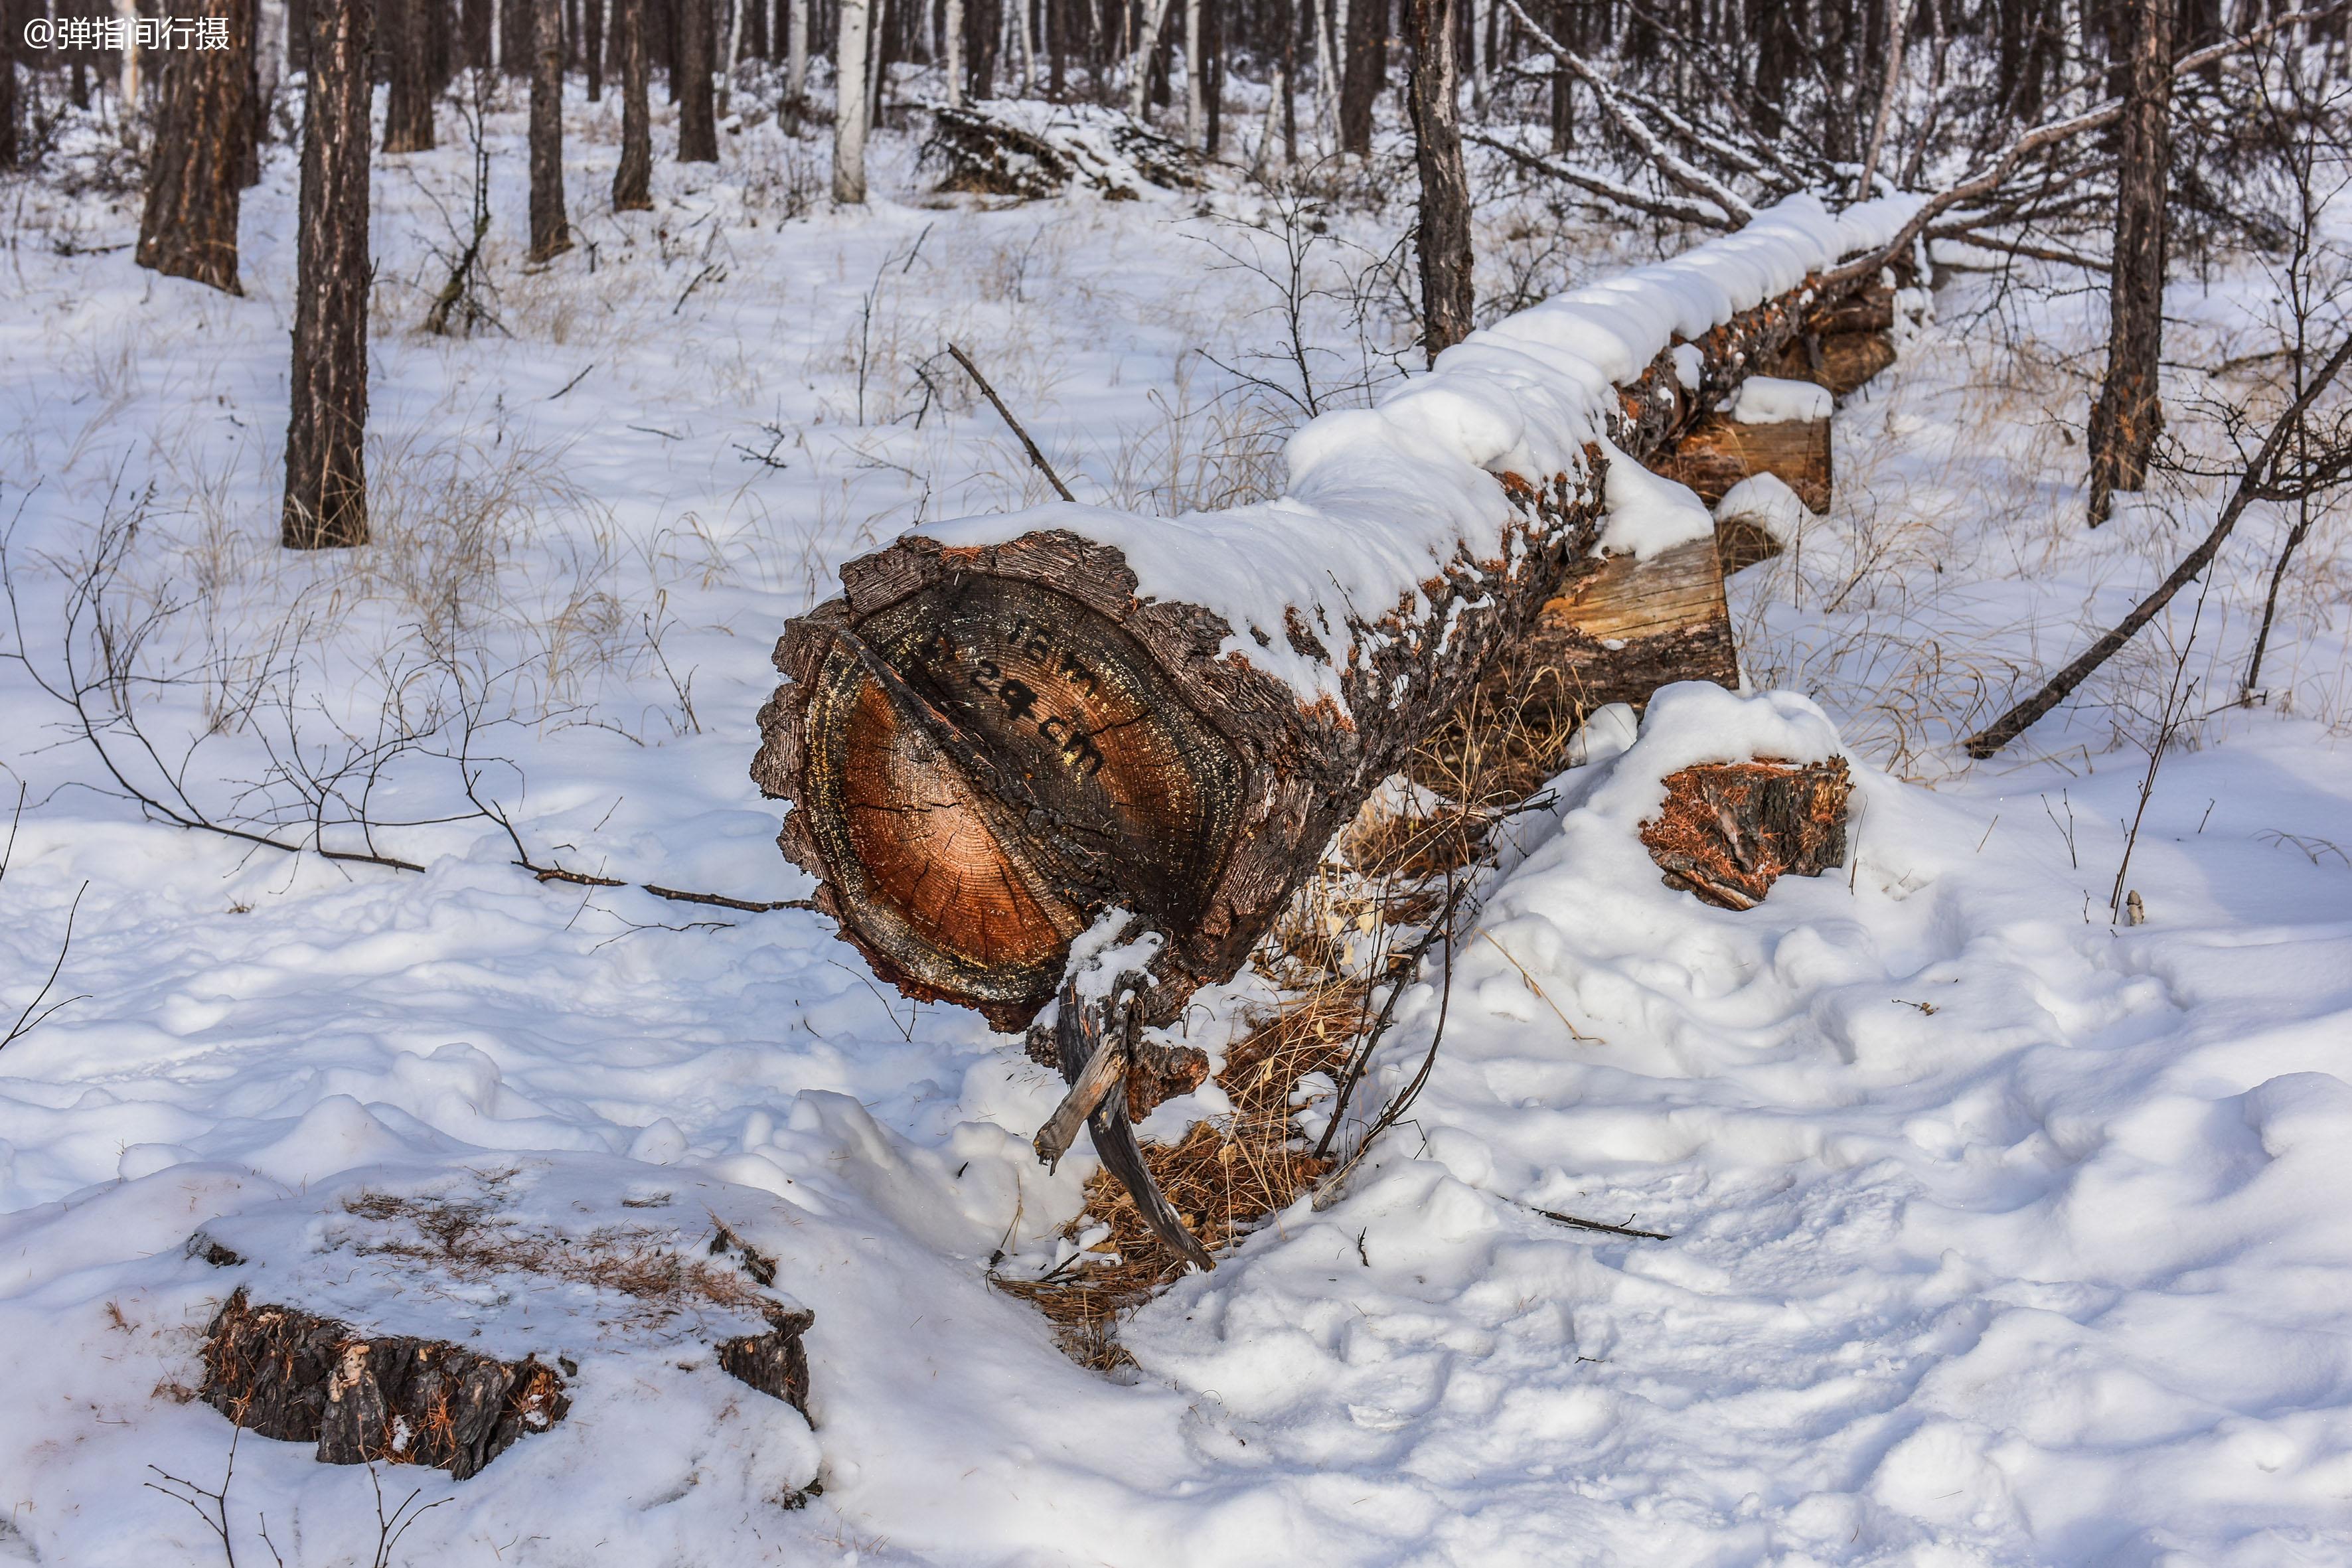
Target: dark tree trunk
(409, 106)
(698, 129)
(983, 24)
(2126, 418)
(297, 35)
(596, 43)
(665, 14)
(987, 747)
(203, 141)
(475, 21)
(1443, 237)
(1364, 74)
(326, 471)
(632, 180)
(516, 27)
(10, 113)
(550, 234)
(570, 35)
(1563, 89)
(1212, 70)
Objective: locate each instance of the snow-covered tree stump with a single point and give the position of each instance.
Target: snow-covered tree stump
(1729, 830)
(1036, 149)
(438, 1319)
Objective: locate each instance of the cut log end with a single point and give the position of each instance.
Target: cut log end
(286, 1373)
(1728, 830)
(1718, 452)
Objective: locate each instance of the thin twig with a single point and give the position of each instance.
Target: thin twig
(1036, 455)
(1570, 1219)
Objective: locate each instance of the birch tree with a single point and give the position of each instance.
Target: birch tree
(849, 103)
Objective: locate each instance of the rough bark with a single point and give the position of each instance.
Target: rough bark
(475, 20)
(326, 472)
(285, 1374)
(516, 27)
(201, 143)
(1442, 234)
(408, 51)
(697, 124)
(1718, 452)
(2126, 418)
(550, 232)
(1364, 74)
(1729, 830)
(595, 49)
(9, 112)
(987, 747)
(633, 176)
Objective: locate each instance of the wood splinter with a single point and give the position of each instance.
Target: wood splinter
(1096, 1040)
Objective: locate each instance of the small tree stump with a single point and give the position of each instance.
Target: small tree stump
(288, 1375)
(314, 1345)
(1718, 452)
(1728, 830)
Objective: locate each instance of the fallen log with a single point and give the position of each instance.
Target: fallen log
(1033, 150)
(1729, 830)
(1719, 451)
(1005, 726)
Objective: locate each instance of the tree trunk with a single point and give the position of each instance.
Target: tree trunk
(326, 471)
(632, 178)
(9, 112)
(849, 105)
(201, 142)
(2126, 418)
(952, 34)
(727, 60)
(1147, 50)
(988, 746)
(796, 54)
(475, 20)
(408, 49)
(1366, 74)
(596, 11)
(516, 29)
(698, 129)
(550, 232)
(1443, 237)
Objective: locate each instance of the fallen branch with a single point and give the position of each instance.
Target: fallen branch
(1036, 455)
(1593, 183)
(1677, 170)
(1989, 178)
(2259, 483)
(1570, 1219)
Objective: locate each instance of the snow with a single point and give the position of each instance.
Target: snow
(1770, 400)
(1765, 501)
(1647, 513)
(1998, 1234)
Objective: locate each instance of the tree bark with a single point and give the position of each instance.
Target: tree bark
(326, 471)
(9, 112)
(987, 747)
(796, 56)
(632, 178)
(1366, 74)
(517, 26)
(203, 141)
(1443, 237)
(1727, 831)
(596, 11)
(849, 105)
(408, 49)
(477, 19)
(550, 232)
(2128, 414)
(698, 129)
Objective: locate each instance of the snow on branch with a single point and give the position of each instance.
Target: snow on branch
(1679, 171)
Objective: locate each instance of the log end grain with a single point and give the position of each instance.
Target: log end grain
(1728, 830)
(1718, 452)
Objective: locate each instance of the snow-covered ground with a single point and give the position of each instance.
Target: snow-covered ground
(1998, 1234)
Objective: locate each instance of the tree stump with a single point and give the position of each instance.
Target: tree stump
(304, 1350)
(1728, 830)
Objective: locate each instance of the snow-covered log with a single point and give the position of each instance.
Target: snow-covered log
(1010, 147)
(1007, 724)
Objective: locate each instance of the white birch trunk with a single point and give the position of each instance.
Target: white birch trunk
(1265, 135)
(1138, 72)
(127, 11)
(1482, 46)
(953, 26)
(1327, 18)
(849, 104)
(734, 45)
(1196, 120)
(1025, 18)
(796, 21)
